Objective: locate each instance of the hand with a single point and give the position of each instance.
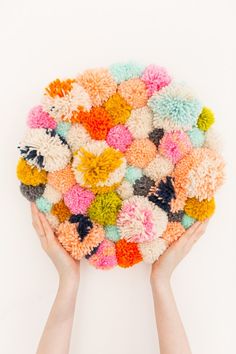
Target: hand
(67, 267)
(163, 268)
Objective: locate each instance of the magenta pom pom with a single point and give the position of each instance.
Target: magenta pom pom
(78, 199)
(155, 77)
(105, 256)
(119, 137)
(37, 118)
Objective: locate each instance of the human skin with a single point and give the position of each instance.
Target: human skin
(57, 332)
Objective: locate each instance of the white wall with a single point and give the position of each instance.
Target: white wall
(46, 39)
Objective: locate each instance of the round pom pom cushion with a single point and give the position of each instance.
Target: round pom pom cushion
(122, 161)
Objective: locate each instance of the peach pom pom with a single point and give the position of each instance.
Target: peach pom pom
(140, 153)
(127, 253)
(78, 199)
(134, 92)
(155, 77)
(99, 84)
(173, 232)
(105, 256)
(63, 179)
(119, 137)
(37, 118)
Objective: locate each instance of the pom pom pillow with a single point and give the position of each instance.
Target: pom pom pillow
(121, 160)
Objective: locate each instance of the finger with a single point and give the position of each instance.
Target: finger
(36, 221)
(47, 228)
(199, 232)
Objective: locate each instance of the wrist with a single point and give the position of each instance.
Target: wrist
(159, 281)
(71, 283)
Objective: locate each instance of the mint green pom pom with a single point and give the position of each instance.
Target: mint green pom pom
(43, 205)
(187, 221)
(197, 137)
(112, 233)
(125, 71)
(62, 128)
(132, 174)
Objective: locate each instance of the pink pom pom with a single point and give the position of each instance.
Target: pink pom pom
(78, 199)
(37, 118)
(105, 256)
(119, 137)
(175, 145)
(155, 77)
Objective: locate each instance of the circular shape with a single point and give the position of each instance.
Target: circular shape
(121, 160)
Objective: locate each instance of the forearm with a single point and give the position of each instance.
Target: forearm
(171, 333)
(57, 332)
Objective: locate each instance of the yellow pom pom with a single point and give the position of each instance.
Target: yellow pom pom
(118, 108)
(199, 210)
(206, 119)
(30, 175)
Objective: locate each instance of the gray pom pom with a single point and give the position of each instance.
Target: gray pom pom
(142, 186)
(32, 192)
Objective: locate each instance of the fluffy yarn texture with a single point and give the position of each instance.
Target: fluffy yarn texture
(121, 160)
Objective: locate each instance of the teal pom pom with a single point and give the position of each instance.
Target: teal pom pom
(112, 233)
(132, 174)
(187, 221)
(121, 71)
(43, 205)
(63, 128)
(197, 137)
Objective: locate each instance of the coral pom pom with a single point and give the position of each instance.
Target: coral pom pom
(140, 153)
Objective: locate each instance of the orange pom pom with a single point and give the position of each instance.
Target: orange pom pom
(61, 211)
(173, 232)
(127, 253)
(59, 88)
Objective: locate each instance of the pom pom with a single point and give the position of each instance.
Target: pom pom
(125, 190)
(62, 129)
(177, 104)
(206, 119)
(175, 145)
(163, 194)
(37, 118)
(84, 225)
(43, 205)
(155, 77)
(158, 168)
(112, 233)
(173, 232)
(51, 194)
(212, 140)
(104, 208)
(53, 221)
(121, 72)
(97, 122)
(105, 256)
(134, 92)
(59, 88)
(178, 216)
(77, 137)
(30, 175)
(99, 84)
(62, 180)
(200, 210)
(156, 135)
(196, 136)
(68, 236)
(45, 149)
(132, 174)
(78, 199)
(32, 192)
(152, 250)
(127, 253)
(143, 185)
(140, 221)
(61, 211)
(140, 153)
(187, 221)
(119, 138)
(140, 122)
(118, 109)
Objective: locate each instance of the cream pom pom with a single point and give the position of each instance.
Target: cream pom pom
(51, 194)
(77, 136)
(45, 149)
(53, 220)
(158, 168)
(125, 190)
(152, 250)
(213, 140)
(140, 122)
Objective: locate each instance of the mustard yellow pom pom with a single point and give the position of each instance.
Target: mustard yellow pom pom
(199, 210)
(118, 109)
(206, 119)
(30, 175)
(104, 208)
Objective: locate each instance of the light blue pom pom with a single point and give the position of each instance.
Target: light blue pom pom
(63, 128)
(125, 71)
(112, 233)
(43, 205)
(197, 137)
(133, 173)
(187, 221)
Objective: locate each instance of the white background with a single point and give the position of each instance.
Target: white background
(43, 40)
